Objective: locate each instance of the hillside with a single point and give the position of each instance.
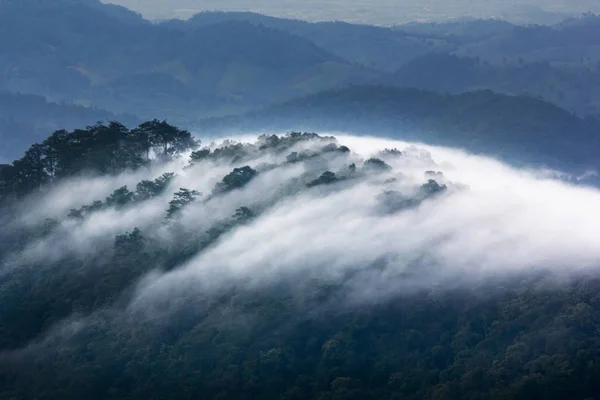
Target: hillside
(373, 46)
(291, 267)
(554, 64)
(91, 53)
(25, 119)
(217, 64)
(571, 43)
(518, 129)
(245, 207)
(573, 89)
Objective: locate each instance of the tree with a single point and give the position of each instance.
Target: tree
(375, 164)
(326, 178)
(128, 244)
(199, 155)
(148, 189)
(432, 187)
(108, 148)
(181, 199)
(120, 198)
(237, 179)
(54, 147)
(166, 140)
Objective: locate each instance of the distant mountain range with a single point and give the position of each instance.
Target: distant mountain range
(521, 130)
(25, 119)
(85, 53)
(232, 63)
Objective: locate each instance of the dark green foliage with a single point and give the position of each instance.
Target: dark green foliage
(515, 343)
(199, 155)
(181, 199)
(389, 153)
(295, 157)
(99, 149)
(395, 201)
(243, 215)
(120, 198)
(166, 140)
(297, 337)
(233, 152)
(283, 143)
(148, 189)
(237, 179)
(129, 243)
(86, 210)
(434, 174)
(376, 164)
(26, 118)
(239, 153)
(123, 197)
(331, 147)
(326, 178)
(432, 188)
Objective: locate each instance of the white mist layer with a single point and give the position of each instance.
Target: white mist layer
(493, 222)
(507, 221)
(504, 221)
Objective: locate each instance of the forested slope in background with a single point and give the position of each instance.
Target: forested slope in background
(559, 62)
(574, 89)
(518, 129)
(200, 270)
(215, 64)
(221, 63)
(78, 51)
(25, 119)
(137, 262)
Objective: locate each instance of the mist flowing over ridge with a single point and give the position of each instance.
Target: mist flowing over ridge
(333, 224)
(374, 200)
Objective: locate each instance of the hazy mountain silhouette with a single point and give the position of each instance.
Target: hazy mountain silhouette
(517, 129)
(25, 119)
(104, 55)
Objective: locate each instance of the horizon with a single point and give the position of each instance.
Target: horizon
(385, 12)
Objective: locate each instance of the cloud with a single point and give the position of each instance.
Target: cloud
(505, 221)
(494, 221)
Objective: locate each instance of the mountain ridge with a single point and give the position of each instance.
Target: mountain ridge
(512, 127)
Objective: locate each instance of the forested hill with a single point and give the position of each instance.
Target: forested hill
(25, 119)
(91, 52)
(519, 129)
(142, 264)
(374, 46)
(575, 89)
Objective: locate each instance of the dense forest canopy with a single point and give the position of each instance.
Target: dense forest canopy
(144, 263)
(25, 119)
(437, 238)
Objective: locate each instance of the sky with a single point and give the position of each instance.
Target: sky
(379, 12)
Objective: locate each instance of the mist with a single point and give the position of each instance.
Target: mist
(492, 223)
(502, 222)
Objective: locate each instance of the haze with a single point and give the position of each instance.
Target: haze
(380, 12)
